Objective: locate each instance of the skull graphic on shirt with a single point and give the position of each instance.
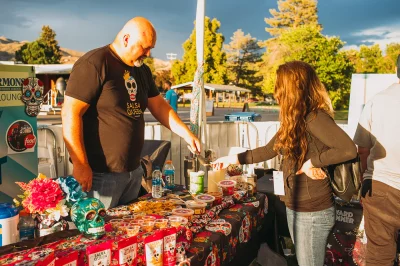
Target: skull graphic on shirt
(130, 85)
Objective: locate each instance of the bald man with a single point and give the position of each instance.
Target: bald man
(103, 126)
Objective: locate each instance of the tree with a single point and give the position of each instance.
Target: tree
(161, 77)
(368, 59)
(149, 61)
(388, 62)
(243, 56)
(214, 58)
(308, 44)
(292, 14)
(48, 36)
(44, 50)
(35, 52)
(392, 52)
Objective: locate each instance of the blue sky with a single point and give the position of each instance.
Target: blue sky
(86, 24)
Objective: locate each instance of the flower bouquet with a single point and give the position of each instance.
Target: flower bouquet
(44, 199)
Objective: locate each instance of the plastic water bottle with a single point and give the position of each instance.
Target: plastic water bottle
(169, 173)
(156, 183)
(26, 226)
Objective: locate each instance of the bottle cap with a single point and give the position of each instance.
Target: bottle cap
(168, 162)
(23, 213)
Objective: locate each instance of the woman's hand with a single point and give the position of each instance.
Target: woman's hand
(224, 162)
(311, 171)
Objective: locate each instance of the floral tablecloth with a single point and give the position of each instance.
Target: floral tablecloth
(215, 242)
(219, 248)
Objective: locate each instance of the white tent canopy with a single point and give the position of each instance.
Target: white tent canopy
(212, 87)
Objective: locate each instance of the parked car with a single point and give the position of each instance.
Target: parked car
(269, 100)
(252, 100)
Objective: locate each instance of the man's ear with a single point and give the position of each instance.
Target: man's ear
(126, 40)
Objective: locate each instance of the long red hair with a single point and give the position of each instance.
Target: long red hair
(299, 93)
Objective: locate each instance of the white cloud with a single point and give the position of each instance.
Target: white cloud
(351, 47)
(382, 35)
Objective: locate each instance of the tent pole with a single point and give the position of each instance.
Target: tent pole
(200, 13)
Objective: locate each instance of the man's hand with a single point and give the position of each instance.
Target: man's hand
(194, 143)
(366, 188)
(83, 174)
(311, 171)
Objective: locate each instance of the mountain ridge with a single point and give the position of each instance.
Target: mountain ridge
(8, 47)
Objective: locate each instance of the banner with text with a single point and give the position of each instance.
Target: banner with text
(18, 152)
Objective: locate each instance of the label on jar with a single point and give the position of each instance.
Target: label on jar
(26, 234)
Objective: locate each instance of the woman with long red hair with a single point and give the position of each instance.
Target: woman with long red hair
(308, 139)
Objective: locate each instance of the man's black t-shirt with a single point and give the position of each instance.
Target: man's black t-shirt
(113, 126)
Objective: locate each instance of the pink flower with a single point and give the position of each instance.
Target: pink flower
(42, 194)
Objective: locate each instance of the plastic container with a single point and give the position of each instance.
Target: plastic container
(147, 226)
(169, 173)
(227, 187)
(217, 196)
(161, 223)
(197, 182)
(177, 221)
(187, 213)
(26, 226)
(128, 218)
(115, 223)
(199, 207)
(243, 116)
(132, 230)
(149, 218)
(9, 219)
(156, 183)
(208, 199)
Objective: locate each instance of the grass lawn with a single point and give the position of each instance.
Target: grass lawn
(341, 115)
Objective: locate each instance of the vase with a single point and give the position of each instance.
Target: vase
(45, 226)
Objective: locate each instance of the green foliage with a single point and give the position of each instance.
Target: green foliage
(149, 61)
(214, 58)
(308, 44)
(292, 14)
(44, 50)
(392, 52)
(244, 55)
(370, 59)
(35, 52)
(161, 78)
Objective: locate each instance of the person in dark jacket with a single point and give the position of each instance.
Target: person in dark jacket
(307, 140)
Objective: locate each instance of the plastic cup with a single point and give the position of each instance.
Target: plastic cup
(161, 223)
(132, 230)
(115, 223)
(147, 226)
(128, 218)
(177, 221)
(208, 199)
(198, 207)
(183, 212)
(149, 218)
(227, 187)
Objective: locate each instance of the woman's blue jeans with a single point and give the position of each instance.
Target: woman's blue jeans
(309, 232)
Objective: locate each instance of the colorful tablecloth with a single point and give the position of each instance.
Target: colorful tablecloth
(215, 242)
(219, 243)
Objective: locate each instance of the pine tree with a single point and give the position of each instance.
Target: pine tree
(44, 50)
(292, 14)
(244, 54)
(48, 36)
(308, 44)
(214, 58)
